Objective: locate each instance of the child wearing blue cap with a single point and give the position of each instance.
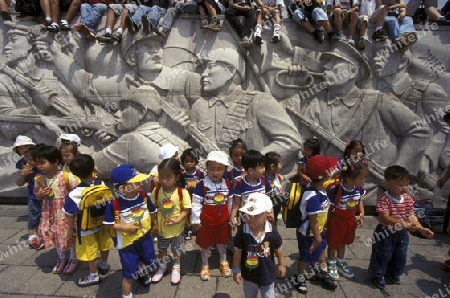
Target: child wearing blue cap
(131, 215)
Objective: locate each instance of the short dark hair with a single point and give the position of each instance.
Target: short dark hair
(236, 143)
(82, 166)
(395, 172)
(252, 159)
(189, 152)
(348, 149)
(50, 153)
(447, 117)
(314, 145)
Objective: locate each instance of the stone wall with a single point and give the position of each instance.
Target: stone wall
(201, 89)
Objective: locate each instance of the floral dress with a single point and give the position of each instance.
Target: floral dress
(53, 225)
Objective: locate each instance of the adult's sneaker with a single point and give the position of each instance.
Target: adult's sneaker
(131, 26)
(103, 271)
(64, 26)
(105, 38)
(361, 44)
(89, 280)
(343, 269)
(333, 37)
(393, 279)
(258, 39)
(117, 36)
(245, 41)
(146, 25)
(276, 38)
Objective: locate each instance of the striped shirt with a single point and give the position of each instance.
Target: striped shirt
(398, 209)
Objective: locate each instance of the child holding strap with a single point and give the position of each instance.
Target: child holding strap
(210, 213)
(174, 204)
(52, 187)
(346, 200)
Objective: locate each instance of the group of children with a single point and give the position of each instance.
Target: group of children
(316, 16)
(244, 200)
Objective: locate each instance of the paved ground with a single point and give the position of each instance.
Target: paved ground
(27, 273)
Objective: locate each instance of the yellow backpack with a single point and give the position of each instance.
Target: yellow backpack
(93, 206)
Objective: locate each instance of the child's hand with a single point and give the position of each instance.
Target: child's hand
(26, 170)
(281, 270)
(132, 227)
(427, 233)
(171, 221)
(197, 226)
(234, 223)
(237, 278)
(154, 229)
(360, 221)
(315, 245)
(43, 192)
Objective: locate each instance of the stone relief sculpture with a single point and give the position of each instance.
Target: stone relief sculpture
(201, 89)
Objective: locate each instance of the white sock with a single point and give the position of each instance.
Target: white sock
(119, 30)
(93, 275)
(48, 18)
(108, 30)
(64, 22)
(258, 29)
(176, 266)
(127, 296)
(276, 29)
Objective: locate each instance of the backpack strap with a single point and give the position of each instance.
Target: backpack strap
(116, 210)
(66, 180)
(156, 196)
(180, 197)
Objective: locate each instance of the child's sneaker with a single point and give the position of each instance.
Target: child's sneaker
(327, 281)
(71, 267)
(343, 269)
(59, 267)
(34, 242)
(361, 43)
(103, 271)
(131, 26)
(105, 38)
(393, 280)
(333, 37)
(379, 35)
(276, 38)
(159, 275)
(332, 269)
(204, 273)
(88, 280)
(318, 35)
(215, 25)
(175, 277)
(117, 36)
(64, 26)
(204, 23)
(301, 284)
(144, 279)
(146, 25)
(379, 282)
(350, 41)
(258, 39)
(225, 269)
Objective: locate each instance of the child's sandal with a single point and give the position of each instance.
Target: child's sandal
(225, 269)
(204, 273)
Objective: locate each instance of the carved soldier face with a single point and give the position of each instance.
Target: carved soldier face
(17, 48)
(150, 56)
(215, 76)
(386, 65)
(130, 115)
(338, 73)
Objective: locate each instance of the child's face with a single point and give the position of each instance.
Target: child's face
(167, 179)
(67, 154)
(22, 149)
(46, 167)
(397, 187)
(359, 180)
(130, 190)
(277, 169)
(256, 221)
(357, 151)
(236, 156)
(215, 171)
(189, 164)
(307, 151)
(255, 173)
(30, 160)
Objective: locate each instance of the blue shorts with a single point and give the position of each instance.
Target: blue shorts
(34, 213)
(141, 250)
(304, 243)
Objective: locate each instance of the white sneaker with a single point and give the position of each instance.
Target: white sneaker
(342, 36)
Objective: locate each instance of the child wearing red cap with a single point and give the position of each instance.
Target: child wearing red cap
(310, 235)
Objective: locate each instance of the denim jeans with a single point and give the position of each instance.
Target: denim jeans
(34, 213)
(397, 27)
(153, 13)
(91, 14)
(389, 252)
